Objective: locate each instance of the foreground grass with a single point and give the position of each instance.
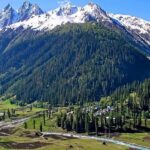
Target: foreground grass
(59, 143)
(21, 136)
(137, 138)
(78, 144)
(142, 139)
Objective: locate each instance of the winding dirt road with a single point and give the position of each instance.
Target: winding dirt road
(15, 123)
(134, 146)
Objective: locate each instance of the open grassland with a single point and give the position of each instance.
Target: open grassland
(54, 143)
(26, 138)
(20, 111)
(21, 138)
(137, 138)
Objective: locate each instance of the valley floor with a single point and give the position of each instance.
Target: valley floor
(55, 143)
(18, 136)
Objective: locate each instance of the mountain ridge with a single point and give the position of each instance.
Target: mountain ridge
(136, 25)
(9, 15)
(38, 20)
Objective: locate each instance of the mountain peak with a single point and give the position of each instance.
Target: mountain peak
(7, 16)
(94, 7)
(96, 12)
(66, 9)
(26, 4)
(64, 14)
(92, 4)
(27, 10)
(8, 7)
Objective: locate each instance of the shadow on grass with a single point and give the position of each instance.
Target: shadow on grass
(14, 145)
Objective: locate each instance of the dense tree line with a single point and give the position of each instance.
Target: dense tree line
(99, 123)
(131, 111)
(134, 101)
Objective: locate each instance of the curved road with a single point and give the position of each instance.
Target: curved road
(134, 146)
(18, 122)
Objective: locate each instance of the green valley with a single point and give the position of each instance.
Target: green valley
(73, 78)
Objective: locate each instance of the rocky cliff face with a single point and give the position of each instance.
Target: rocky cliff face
(9, 16)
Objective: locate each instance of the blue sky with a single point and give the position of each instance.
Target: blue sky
(139, 8)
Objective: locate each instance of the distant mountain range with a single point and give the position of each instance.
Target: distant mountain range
(32, 16)
(70, 54)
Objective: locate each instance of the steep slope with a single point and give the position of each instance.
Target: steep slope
(136, 25)
(7, 16)
(72, 63)
(27, 10)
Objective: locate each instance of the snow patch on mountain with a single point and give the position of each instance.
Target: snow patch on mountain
(64, 14)
(31, 16)
(7, 16)
(27, 10)
(136, 25)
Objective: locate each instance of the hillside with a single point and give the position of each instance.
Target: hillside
(72, 63)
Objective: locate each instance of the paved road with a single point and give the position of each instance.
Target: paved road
(134, 146)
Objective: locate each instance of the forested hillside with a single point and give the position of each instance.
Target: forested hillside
(72, 63)
(135, 96)
(127, 109)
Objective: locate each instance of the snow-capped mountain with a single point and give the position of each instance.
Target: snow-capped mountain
(7, 16)
(66, 9)
(31, 16)
(27, 10)
(65, 14)
(136, 26)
